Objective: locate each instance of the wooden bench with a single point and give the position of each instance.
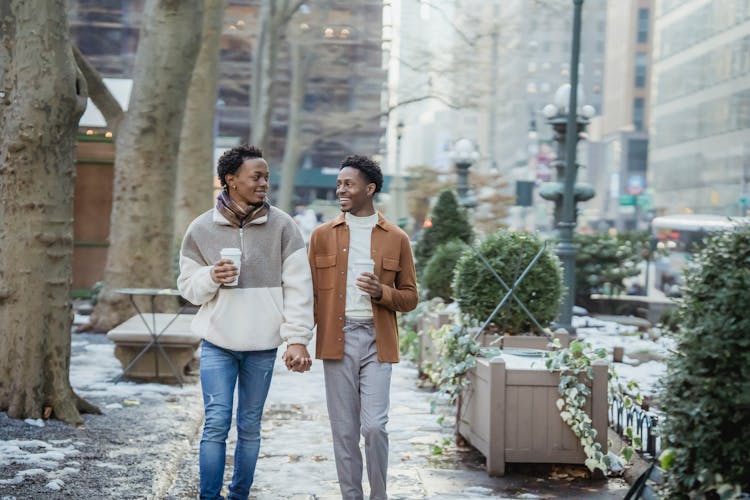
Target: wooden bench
(178, 342)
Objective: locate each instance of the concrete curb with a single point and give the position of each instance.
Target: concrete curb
(166, 472)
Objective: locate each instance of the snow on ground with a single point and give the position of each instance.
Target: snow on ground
(41, 458)
(644, 359)
(93, 370)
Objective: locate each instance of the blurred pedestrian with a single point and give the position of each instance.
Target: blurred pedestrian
(307, 221)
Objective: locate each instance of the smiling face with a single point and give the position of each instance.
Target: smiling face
(249, 185)
(354, 192)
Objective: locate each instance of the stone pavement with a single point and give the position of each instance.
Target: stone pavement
(296, 460)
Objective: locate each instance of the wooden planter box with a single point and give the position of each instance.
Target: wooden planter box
(535, 341)
(522, 341)
(509, 413)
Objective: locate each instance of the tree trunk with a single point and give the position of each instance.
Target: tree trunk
(295, 145)
(42, 96)
(263, 67)
(196, 157)
(99, 93)
(274, 17)
(142, 222)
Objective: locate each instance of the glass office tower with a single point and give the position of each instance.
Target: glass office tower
(699, 156)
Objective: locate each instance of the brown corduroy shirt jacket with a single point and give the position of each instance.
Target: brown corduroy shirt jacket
(394, 266)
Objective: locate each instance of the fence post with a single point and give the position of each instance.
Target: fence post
(599, 404)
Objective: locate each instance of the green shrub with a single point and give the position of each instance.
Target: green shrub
(409, 324)
(437, 277)
(604, 260)
(669, 319)
(449, 222)
(706, 393)
(478, 292)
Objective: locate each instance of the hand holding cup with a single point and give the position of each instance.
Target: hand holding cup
(227, 270)
(367, 282)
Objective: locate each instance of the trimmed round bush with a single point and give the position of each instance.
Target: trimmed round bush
(437, 277)
(478, 292)
(706, 393)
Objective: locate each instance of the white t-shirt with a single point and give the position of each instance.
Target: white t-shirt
(360, 235)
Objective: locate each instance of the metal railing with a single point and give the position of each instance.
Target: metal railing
(644, 422)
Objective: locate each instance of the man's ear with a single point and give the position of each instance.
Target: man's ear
(371, 192)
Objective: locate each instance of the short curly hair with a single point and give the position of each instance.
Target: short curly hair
(231, 160)
(368, 167)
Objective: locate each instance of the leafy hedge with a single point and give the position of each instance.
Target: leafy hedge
(706, 393)
(606, 260)
(478, 292)
(437, 277)
(449, 222)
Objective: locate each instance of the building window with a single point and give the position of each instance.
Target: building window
(641, 60)
(642, 25)
(638, 111)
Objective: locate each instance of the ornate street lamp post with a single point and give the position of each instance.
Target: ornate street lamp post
(399, 184)
(464, 154)
(568, 124)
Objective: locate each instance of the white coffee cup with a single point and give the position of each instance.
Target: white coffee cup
(363, 266)
(235, 255)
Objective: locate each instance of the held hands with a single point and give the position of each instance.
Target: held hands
(296, 358)
(370, 284)
(224, 271)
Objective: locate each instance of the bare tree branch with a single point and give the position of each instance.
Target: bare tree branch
(348, 127)
(289, 10)
(449, 20)
(99, 93)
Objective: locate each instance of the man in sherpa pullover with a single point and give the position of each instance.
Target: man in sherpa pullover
(242, 325)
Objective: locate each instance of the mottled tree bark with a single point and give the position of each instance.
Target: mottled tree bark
(195, 159)
(42, 96)
(142, 223)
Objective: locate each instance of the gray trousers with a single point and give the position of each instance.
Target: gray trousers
(357, 394)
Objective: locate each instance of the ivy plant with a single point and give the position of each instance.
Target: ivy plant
(574, 364)
(457, 351)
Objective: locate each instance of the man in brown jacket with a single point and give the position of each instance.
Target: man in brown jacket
(355, 313)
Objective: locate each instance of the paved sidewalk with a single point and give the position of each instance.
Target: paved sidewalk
(296, 460)
(145, 445)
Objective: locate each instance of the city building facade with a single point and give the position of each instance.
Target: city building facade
(493, 66)
(699, 152)
(342, 103)
(619, 137)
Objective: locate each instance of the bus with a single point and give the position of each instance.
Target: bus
(677, 238)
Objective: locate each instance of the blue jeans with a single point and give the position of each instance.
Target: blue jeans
(220, 371)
